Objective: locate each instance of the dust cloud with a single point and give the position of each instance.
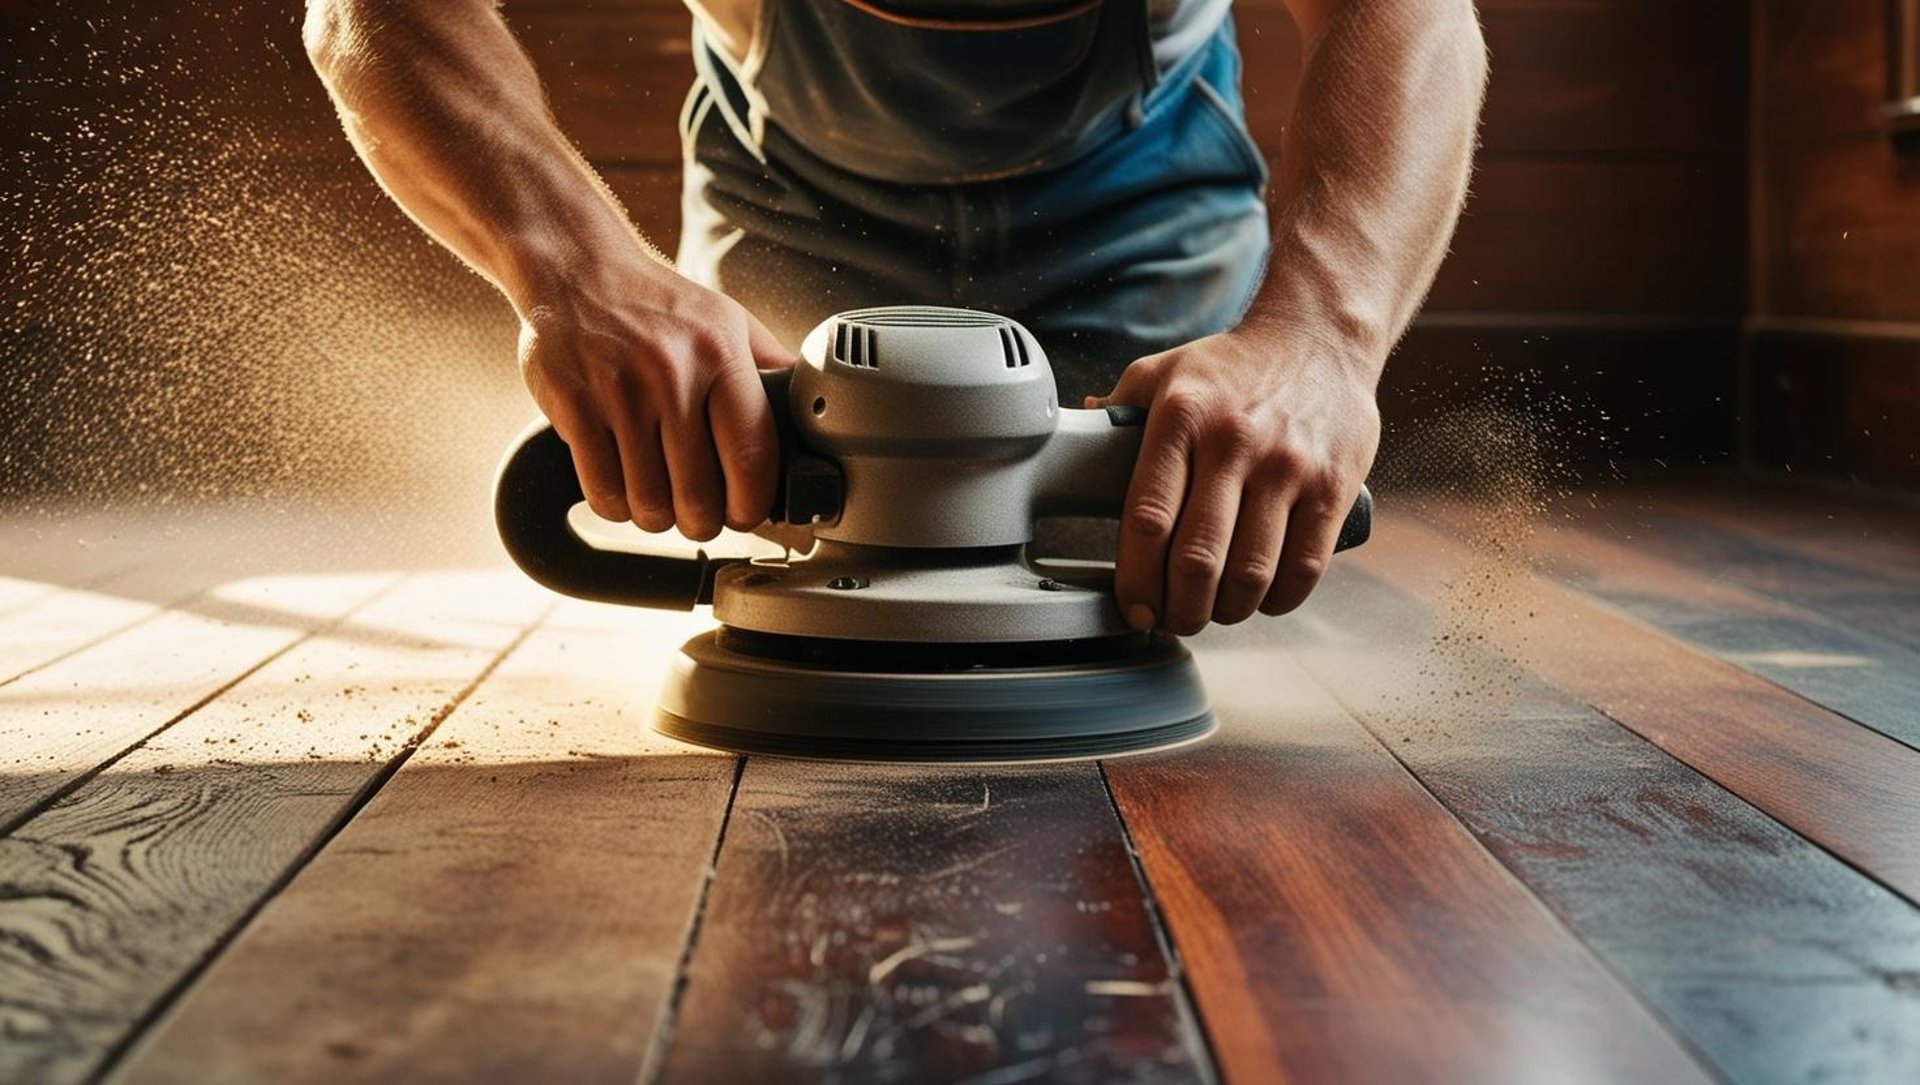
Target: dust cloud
(209, 305)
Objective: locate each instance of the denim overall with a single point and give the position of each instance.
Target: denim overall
(1037, 167)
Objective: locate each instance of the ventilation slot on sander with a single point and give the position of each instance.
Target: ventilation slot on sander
(856, 345)
(1013, 347)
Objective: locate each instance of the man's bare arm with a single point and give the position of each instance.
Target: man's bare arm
(650, 378)
(1259, 438)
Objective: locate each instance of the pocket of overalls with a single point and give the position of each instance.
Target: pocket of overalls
(1234, 127)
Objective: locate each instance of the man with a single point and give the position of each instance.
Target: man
(1079, 165)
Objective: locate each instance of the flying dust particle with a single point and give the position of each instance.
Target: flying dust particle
(208, 300)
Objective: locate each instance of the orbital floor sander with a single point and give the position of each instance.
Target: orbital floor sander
(919, 444)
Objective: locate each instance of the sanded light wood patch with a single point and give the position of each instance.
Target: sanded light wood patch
(124, 886)
(511, 906)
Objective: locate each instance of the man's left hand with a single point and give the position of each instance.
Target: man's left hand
(1256, 446)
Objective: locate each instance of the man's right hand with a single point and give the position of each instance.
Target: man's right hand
(652, 380)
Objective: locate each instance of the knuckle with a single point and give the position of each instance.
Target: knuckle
(1194, 561)
(1251, 577)
(1150, 519)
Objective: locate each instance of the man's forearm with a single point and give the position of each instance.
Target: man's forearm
(1373, 172)
(448, 112)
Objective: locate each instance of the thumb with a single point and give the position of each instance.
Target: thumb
(1136, 385)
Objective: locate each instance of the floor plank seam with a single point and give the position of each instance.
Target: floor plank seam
(1184, 1000)
(1687, 646)
(80, 779)
(162, 610)
(113, 1056)
(654, 1063)
(1671, 1027)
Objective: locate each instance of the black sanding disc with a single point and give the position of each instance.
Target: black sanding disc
(859, 701)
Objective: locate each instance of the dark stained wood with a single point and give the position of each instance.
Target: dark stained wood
(113, 895)
(1866, 531)
(1604, 77)
(1877, 605)
(1337, 924)
(1839, 404)
(1654, 574)
(1854, 792)
(1822, 69)
(1770, 957)
(511, 906)
(73, 715)
(1843, 223)
(1665, 392)
(881, 924)
(1599, 236)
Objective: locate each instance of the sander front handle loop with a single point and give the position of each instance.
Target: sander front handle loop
(537, 487)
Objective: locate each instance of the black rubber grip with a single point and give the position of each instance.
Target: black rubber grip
(533, 493)
(537, 487)
(1358, 527)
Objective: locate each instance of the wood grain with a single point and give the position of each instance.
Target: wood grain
(511, 906)
(75, 714)
(1878, 605)
(915, 924)
(1770, 957)
(1861, 530)
(1654, 574)
(117, 892)
(1338, 924)
(1854, 792)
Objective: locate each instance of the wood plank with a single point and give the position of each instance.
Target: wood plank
(1864, 530)
(1863, 677)
(511, 906)
(1822, 71)
(1854, 792)
(63, 624)
(1337, 924)
(116, 893)
(1839, 404)
(1843, 222)
(1877, 605)
(1776, 961)
(63, 721)
(1600, 235)
(904, 923)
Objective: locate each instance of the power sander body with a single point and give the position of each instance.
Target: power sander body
(919, 445)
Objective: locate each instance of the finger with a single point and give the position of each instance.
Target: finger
(1259, 532)
(1201, 543)
(768, 351)
(1148, 518)
(693, 472)
(649, 499)
(749, 451)
(596, 460)
(1312, 526)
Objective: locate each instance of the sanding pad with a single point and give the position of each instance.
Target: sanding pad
(877, 701)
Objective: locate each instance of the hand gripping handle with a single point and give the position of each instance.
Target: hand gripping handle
(537, 487)
(1088, 466)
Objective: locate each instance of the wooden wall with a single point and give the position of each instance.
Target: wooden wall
(1596, 287)
(1835, 347)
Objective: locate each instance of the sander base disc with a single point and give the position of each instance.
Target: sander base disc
(752, 694)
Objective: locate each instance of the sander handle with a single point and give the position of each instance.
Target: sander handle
(537, 487)
(1088, 464)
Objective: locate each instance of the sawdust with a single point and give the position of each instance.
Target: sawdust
(207, 298)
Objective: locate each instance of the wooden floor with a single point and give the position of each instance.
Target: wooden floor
(1627, 789)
